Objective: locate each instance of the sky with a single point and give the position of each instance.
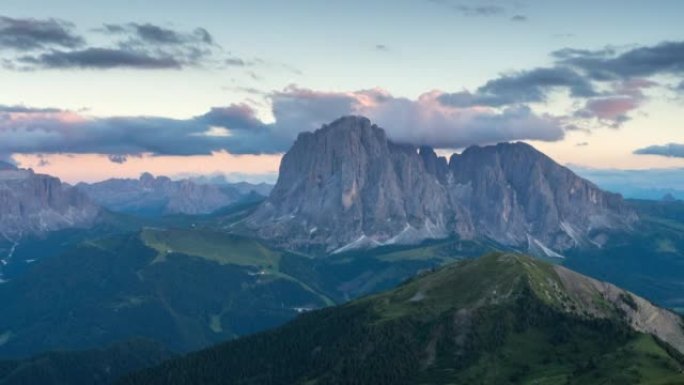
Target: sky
(96, 89)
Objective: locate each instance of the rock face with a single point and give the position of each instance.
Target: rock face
(160, 195)
(347, 186)
(33, 204)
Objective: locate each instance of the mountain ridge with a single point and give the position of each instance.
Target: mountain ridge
(150, 195)
(501, 318)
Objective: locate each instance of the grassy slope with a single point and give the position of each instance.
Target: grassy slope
(476, 322)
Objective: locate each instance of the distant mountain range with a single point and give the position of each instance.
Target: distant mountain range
(650, 184)
(499, 319)
(347, 186)
(35, 204)
(151, 195)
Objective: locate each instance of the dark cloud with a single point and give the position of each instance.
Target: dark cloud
(156, 34)
(42, 161)
(236, 116)
(479, 10)
(30, 34)
(381, 48)
(153, 34)
(120, 159)
(104, 58)
(670, 150)
(602, 65)
(608, 83)
(519, 18)
(530, 86)
(68, 132)
(24, 109)
(132, 45)
(236, 62)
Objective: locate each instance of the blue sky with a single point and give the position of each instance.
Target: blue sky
(291, 66)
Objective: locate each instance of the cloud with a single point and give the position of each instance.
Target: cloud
(70, 132)
(613, 107)
(236, 62)
(602, 65)
(427, 121)
(131, 45)
(610, 109)
(608, 84)
(670, 150)
(120, 159)
(381, 48)
(680, 86)
(238, 130)
(31, 34)
(530, 86)
(148, 33)
(480, 8)
(104, 58)
(25, 109)
(424, 121)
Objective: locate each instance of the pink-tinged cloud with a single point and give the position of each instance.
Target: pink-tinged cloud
(612, 108)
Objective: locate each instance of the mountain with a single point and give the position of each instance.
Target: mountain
(89, 367)
(261, 188)
(33, 203)
(348, 186)
(499, 319)
(160, 195)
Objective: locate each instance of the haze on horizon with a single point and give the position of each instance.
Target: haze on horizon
(113, 89)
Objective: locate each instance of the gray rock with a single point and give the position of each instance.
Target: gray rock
(347, 186)
(34, 204)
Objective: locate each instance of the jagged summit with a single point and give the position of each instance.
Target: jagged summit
(348, 186)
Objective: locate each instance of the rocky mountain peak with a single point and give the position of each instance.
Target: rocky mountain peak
(33, 203)
(348, 186)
